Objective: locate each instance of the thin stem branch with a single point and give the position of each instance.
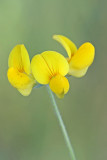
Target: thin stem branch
(72, 155)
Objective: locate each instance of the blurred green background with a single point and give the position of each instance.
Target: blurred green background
(29, 129)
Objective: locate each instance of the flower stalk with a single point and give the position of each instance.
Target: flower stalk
(64, 131)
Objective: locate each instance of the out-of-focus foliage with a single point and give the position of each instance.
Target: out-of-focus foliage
(28, 126)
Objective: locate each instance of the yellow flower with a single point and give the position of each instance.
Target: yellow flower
(50, 67)
(19, 72)
(79, 59)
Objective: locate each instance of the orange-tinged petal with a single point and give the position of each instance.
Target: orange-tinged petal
(19, 59)
(69, 46)
(47, 65)
(19, 80)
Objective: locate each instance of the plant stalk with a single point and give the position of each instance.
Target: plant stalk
(67, 139)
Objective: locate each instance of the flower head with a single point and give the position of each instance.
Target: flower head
(79, 59)
(50, 67)
(19, 72)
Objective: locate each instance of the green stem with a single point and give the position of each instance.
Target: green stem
(72, 155)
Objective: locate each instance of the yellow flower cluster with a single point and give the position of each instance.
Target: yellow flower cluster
(49, 67)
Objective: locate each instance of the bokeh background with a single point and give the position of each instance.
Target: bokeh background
(29, 129)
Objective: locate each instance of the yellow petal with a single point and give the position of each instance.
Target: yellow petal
(69, 46)
(19, 80)
(19, 59)
(46, 65)
(83, 57)
(27, 91)
(40, 69)
(59, 85)
(78, 73)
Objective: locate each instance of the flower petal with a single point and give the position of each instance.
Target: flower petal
(69, 46)
(19, 59)
(27, 91)
(56, 62)
(48, 64)
(83, 57)
(40, 69)
(19, 80)
(78, 73)
(59, 85)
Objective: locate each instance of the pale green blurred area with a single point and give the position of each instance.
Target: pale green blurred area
(29, 129)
